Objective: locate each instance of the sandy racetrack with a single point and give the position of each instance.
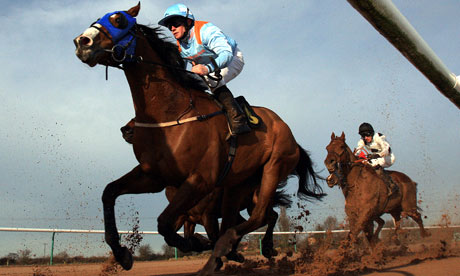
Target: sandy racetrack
(446, 267)
(423, 259)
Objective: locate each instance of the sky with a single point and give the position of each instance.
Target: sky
(318, 64)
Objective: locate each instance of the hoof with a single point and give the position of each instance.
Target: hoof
(211, 266)
(235, 256)
(225, 243)
(269, 253)
(124, 258)
(219, 264)
(200, 243)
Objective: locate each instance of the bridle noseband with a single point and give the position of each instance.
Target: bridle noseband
(339, 167)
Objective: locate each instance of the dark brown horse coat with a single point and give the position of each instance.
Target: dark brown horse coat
(366, 196)
(191, 156)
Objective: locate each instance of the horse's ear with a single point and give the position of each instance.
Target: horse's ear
(342, 136)
(332, 135)
(134, 11)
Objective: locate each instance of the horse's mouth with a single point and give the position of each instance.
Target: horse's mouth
(332, 180)
(89, 56)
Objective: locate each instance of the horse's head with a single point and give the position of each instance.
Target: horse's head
(337, 157)
(110, 36)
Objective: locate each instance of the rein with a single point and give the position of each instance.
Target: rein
(139, 59)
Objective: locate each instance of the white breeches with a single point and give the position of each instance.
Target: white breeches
(384, 162)
(230, 72)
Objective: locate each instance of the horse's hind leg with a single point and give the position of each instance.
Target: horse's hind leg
(375, 236)
(134, 182)
(368, 230)
(255, 221)
(397, 221)
(417, 217)
(232, 235)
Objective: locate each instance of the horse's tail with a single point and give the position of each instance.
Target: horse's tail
(282, 199)
(418, 208)
(308, 179)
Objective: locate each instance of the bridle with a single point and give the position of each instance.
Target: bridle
(341, 166)
(120, 55)
(338, 169)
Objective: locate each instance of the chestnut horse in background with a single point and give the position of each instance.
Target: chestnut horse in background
(192, 155)
(366, 194)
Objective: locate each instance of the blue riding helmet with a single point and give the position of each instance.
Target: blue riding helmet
(177, 10)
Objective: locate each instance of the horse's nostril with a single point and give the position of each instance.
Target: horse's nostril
(84, 41)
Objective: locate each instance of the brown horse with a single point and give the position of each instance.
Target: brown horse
(207, 211)
(188, 156)
(366, 197)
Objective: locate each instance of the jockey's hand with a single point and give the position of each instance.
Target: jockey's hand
(373, 156)
(200, 69)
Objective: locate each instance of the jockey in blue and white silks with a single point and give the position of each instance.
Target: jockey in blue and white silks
(209, 51)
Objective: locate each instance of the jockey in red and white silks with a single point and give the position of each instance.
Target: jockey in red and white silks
(379, 150)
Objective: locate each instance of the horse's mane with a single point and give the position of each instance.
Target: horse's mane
(169, 54)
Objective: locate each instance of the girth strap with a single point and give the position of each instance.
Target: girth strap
(231, 156)
(179, 121)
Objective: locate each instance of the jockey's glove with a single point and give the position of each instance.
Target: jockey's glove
(373, 156)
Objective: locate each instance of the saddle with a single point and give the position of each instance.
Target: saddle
(254, 121)
(386, 177)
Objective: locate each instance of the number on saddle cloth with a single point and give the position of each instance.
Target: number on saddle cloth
(254, 120)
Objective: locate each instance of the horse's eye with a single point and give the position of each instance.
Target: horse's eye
(120, 21)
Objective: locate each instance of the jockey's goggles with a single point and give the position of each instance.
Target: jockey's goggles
(175, 23)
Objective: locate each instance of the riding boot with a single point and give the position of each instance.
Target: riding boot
(236, 116)
(392, 187)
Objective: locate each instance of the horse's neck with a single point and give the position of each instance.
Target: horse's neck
(349, 185)
(157, 97)
(351, 156)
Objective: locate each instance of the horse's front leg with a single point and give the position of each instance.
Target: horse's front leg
(187, 196)
(380, 224)
(134, 182)
(267, 242)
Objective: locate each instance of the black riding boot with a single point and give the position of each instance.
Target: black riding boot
(392, 187)
(236, 116)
